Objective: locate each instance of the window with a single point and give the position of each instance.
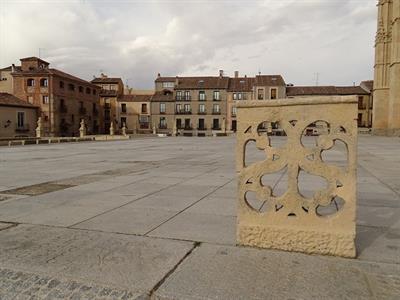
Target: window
(216, 96)
(113, 87)
(178, 123)
(71, 87)
(216, 124)
(188, 108)
(167, 84)
(361, 102)
(187, 95)
(123, 121)
(163, 123)
(234, 96)
(179, 108)
(260, 94)
(202, 96)
(239, 96)
(360, 120)
(87, 90)
(80, 89)
(72, 119)
(45, 99)
(273, 94)
(44, 82)
(162, 108)
(94, 92)
(202, 108)
(179, 95)
(30, 82)
(187, 124)
(144, 108)
(233, 110)
(20, 119)
(123, 107)
(61, 84)
(216, 109)
(201, 124)
(94, 108)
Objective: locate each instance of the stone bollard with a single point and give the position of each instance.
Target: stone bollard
(112, 128)
(323, 223)
(174, 130)
(124, 129)
(154, 129)
(223, 127)
(39, 128)
(82, 129)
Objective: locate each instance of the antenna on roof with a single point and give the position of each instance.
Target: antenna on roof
(259, 72)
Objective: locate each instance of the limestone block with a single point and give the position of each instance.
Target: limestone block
(323, 223)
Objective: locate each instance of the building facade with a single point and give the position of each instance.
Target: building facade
(361, 92)
(386, 115)
(111, 91)
(63, 100)
(17, 117)
(134, 112)
(206, 105)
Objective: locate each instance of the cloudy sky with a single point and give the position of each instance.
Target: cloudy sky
(136, 39)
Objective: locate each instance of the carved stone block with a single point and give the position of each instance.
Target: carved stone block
(322, 222)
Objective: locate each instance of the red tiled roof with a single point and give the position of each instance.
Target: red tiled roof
(69, 76)
(10, 100)
(324, 91)
(162, 97)
(107, 80)
(241, 84)
(198, 82)
(165, 79)
(269, 80)
(136, 98)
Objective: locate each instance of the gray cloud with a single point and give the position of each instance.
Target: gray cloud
(138, 39)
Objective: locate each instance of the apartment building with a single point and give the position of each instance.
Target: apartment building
(134, 112)
(63, 99)
(362, 93)
(111, 91)
(205, 105)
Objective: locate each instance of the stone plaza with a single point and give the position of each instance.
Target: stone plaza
(155, 218)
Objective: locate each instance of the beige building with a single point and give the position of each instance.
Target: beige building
(63, 99)
(134, 112)
(112, 90)
(6, 80)
(17, 117)
(386, 116)
(361, 92)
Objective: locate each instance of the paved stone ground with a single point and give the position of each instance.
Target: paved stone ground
(155, 218)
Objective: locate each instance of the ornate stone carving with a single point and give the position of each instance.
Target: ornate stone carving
(39, 128)
(124, 129)
(112, 128)
(380, 34)
(292, 221)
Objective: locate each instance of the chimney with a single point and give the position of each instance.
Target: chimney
(236, 74)
(102, 75)
(12, 68)
(176, 81)
(245, 76)
(221, 73)
(158, 75)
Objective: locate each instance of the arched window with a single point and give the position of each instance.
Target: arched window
(30, 82)
(71, 87)
(87, 90)
(44, 82)
(80, 89)
(61, 84)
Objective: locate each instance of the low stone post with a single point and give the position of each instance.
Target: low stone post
(124, 129)
(323, 223)
(154, 129)
(82, 129)
(39, 128)
(112, 128)
(174, 130)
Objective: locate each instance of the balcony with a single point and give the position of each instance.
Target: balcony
(107, 106)
(63, 109)
(216, 112)
(183, 112)
(82, 111)
(201, 128)
(144, 125)
(216, 99)
(123, 112)
(202, 113)
(216, 128)
(162, 126)
(23, 128)
(188, 128)
(183, 98)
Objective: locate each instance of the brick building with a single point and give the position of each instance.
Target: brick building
(63, 99)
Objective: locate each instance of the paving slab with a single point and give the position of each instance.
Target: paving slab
(221, 272)
(197, 227)
(124, 262)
